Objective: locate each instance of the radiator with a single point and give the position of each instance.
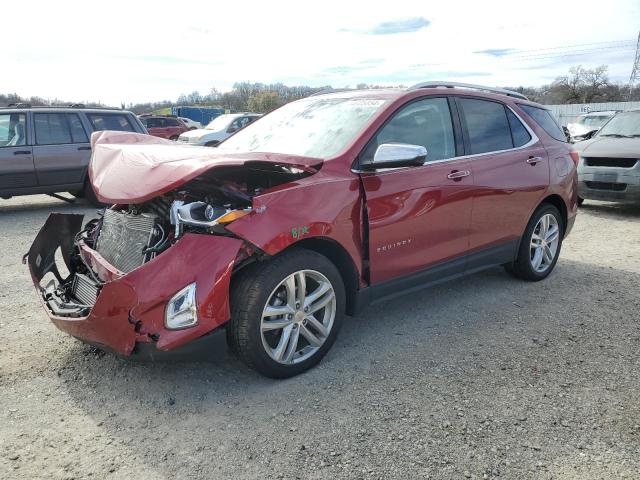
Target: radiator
(124, 236)
(84, 289)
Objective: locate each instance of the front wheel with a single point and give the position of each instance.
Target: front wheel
(540, 245)
(286, 313)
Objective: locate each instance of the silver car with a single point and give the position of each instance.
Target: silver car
(609, 167)
(47, 149)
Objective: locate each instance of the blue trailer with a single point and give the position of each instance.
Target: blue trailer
(199, 114)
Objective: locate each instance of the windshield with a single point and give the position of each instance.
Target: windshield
(622, 125)
(221, 122)
(318, 127)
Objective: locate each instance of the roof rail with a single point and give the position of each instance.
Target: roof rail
(75, 105)
(469, 86)
(331, 90)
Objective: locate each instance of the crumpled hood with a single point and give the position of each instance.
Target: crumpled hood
(609, 147)
(131, 167)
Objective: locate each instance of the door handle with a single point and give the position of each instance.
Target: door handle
(458, 174)
(533, 160)
(84, 148)
(22, 152)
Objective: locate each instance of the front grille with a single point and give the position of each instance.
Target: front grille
(124, 237)
(610, 162)
(84, 289)
(616, 187)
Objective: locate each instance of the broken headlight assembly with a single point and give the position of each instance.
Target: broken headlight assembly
(201, 215)
(182, 311)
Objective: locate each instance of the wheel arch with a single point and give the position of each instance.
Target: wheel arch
(558, 202)
(339, 256)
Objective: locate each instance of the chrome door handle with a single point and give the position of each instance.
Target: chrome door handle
(457, 174)
(533, 160)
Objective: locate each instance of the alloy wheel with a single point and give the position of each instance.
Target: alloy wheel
(544, 242)
(298, 317)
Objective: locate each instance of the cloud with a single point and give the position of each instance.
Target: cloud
(165, 59)
(392, 27)
(496, 52)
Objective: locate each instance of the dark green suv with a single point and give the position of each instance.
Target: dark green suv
(47, 149)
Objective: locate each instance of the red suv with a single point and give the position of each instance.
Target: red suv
(323, 206)
(168, 127)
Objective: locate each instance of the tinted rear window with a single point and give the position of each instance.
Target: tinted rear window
(518, 131)
(544, 118)
(487, 125)
(110, 121)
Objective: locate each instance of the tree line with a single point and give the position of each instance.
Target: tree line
(580, 85)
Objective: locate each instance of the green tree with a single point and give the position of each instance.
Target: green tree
(264, 102)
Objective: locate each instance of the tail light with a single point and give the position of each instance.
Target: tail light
(575, 157)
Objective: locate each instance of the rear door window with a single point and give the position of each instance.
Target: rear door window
(110, 121)
(51, 129)
(59, 128)
(519, 133)
(171, 122)
(544, 118)
(487, 125)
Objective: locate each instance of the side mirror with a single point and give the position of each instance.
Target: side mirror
(395, 155)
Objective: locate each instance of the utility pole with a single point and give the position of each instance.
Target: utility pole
(635, 72)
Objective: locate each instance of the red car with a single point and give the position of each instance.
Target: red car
(322, 206)
(162, 126)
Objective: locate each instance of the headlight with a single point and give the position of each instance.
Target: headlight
(182, 311)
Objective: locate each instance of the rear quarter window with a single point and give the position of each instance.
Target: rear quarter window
(487, 125)
(110, 121)
(546, 121)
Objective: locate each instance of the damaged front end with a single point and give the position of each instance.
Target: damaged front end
(156, 271)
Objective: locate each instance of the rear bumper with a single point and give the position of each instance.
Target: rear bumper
(130, 308)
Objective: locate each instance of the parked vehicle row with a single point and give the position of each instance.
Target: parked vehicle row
(301, 217)
(47, 150)
(609, 166)
(219, 129)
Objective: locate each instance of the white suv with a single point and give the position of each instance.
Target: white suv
(218, 129)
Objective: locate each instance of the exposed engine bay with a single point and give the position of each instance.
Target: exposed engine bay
(128, 236)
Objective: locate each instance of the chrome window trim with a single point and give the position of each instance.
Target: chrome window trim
(530, 143)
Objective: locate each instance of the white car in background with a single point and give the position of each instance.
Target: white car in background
(191, 124)
(218, 129)
(588, 123)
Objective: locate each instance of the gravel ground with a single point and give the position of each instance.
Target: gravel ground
(487, 377)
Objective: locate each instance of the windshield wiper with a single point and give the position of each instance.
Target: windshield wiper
(616, 135)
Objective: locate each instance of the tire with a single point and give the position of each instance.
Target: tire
(258, 287)
(174, 138)
(524, 266)
(580, 201)
(78, 193)
(90, 195)
(215, 143)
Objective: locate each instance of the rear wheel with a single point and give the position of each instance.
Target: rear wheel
(540, 245)
(174, 138)
(285, 314)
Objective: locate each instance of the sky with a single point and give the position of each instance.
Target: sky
(136, 51)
